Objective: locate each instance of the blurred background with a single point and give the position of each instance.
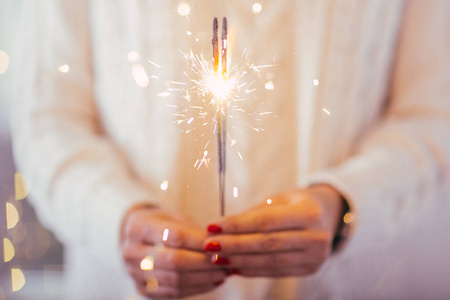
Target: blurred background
(31, 258)
(31, 261)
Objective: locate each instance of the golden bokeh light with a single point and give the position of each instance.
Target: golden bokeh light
(269, 201)
(147, 263)
(17, 279)
(8, 250)
(21, 186)
(4, 62)
(140, 76)
(12, 216)
(152, 284)
(349, 218)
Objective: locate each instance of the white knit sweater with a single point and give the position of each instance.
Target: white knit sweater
(93, 142)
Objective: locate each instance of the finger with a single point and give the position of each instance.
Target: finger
(181, 279)
(282, 272)
(150, 290)
(272, 260)
(295, 216)
(166, 258)
(279, 241)
(177, 235)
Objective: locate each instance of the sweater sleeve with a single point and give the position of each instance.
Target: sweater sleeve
(81, 182)
(402, 164)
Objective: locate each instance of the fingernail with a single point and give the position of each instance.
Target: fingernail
(214, 228)
(220, 260)
(212, 247)
(219, 283)
(233, 271)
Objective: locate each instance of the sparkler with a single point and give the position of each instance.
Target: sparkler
(220, 104)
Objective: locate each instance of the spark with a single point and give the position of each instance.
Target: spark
(240, 156)
(315, 82)
(235, 192)
(165, 235)
(269, 201)
(155, 64)
(325, 110)
(188, 32)
(164, 94)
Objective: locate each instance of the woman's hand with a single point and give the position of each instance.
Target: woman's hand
(164, 255)
(289, 234)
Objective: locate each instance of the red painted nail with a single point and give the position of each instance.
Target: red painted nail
(213, 247)
(219, 283)
(220, 260)
(233, 271)
(214, 228)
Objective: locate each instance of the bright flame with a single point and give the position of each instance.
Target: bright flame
(147, 263)
(8, 250)
(12, 216)
(220, 87)
(17, 279)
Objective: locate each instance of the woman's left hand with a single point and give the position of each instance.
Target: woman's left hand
(289, 234)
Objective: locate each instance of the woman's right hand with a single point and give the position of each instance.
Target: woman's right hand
(164, 254)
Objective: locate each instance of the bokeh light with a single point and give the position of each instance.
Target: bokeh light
(140, 76)
(21, 186)
(269, 86)
(8, 250)
(257, 8)
(4, 62)
(133, 56)
(64, 69)
(269, 201)
(147, 263)
(315, 82)
(164, 185)
(12, 216)
(165, 234)
(17, 279)
(184, 9)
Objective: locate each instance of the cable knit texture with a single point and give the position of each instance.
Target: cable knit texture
(93, 143)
